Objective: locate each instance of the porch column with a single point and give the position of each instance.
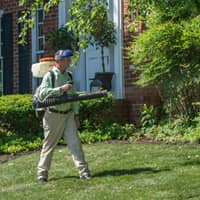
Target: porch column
(118, 49)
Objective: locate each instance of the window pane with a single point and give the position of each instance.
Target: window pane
(40, 15)
(40, 44)
(40, 30)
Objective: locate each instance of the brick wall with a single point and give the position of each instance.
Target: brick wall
(135, 96)
(121, 111)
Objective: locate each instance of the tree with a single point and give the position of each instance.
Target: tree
(30, 9)
(167, 53)
(89, 22)
(91, 25)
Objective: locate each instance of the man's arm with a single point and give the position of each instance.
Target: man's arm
(46, 88)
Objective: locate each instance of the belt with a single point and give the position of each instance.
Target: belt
(60, 111)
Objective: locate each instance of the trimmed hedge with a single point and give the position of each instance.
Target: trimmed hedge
(17, 116)
(21, 130)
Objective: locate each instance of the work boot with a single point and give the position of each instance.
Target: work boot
(42, 179)
(85, 176)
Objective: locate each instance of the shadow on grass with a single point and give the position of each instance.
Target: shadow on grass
(64, 177)
(122, 172)
(118, 172)
(191, 162)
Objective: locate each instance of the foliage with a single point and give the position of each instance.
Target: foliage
(176, 131)
(20, 130)
(17, 115)
(148, 117)
(138, 10)
(160, 11)
(175, 11)
(97, 111)
(14, 144)
(113, 131)
(167, 55)
(106, 132)
(88, 21)
(61, 38)
(27, 18)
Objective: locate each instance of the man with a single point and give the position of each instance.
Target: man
(60, 120)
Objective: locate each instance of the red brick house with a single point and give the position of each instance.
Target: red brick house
(16, 60)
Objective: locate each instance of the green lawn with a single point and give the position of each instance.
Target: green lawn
(120, 172)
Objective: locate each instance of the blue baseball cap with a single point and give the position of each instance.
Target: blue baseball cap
(63, 54)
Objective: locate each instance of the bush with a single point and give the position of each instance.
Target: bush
(148, 117)
(20, 129)
(168, 56)
(174, 131)
(97, 111)
(105, 132)
(17, 115)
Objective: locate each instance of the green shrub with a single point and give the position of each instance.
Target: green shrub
(20, 129)
(168, 56)
(148, 117)
(106, 132)
(174, 131)
(96, 111)
(17, 115)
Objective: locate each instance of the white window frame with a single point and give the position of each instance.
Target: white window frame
(118, 51)
(35, 38)
(1, 58)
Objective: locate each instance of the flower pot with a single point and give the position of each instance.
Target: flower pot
(104, 80)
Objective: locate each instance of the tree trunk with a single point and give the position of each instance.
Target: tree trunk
(102, 58)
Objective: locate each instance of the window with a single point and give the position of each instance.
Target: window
(1, 77)
(39, 34)
(38, 40)
(1, 59)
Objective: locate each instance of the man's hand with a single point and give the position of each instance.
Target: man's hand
(65, 87)
(77, 120)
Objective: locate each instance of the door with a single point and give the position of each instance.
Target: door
(94, 63)
(93, 56)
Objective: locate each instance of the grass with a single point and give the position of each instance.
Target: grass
(120, 171)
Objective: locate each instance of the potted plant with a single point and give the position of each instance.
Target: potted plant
(90, 23)
(103, 36)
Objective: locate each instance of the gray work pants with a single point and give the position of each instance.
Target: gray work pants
(55, 126)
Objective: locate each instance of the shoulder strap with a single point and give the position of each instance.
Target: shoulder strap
(70, 75)
(52, 78)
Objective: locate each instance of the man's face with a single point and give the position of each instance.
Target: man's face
(65, 62)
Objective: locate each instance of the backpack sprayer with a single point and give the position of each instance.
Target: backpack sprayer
(39, 70)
